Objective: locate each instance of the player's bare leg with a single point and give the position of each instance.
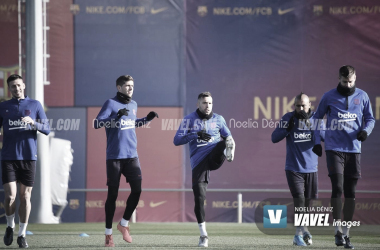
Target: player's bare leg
(10, 192)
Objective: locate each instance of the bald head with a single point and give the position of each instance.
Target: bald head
(302, 102)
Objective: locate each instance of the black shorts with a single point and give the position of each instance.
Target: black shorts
(303, 183)
(347, 164)
(129, 167)
(213, 161)
(21, 171)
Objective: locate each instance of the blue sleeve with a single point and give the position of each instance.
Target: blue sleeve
(369, 120)
(318, 128)
(322, 130)
(183, 134)
(41, 123)
(140, 122)
(322, 108)
(280, 131)
(224, 131)
(1, 122)
(104, 115)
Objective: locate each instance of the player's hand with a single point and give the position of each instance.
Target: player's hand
(304, 116)
(317, 149)
(362, 135)
(290, 124)
(27, 120)
(203, 135)
(151, 115)
(122, 112)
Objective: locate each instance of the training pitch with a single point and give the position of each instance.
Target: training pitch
(177, 236)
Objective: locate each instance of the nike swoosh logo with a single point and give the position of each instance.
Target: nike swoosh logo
(153, 11)
(282, 12)
(2, 215)
(152, 204)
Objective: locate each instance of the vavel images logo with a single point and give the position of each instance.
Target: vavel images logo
(302, 137)
(275, 216)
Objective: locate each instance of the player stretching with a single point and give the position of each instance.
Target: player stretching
(20, 118)
(118, 116)
(301, 165)
(203, 130)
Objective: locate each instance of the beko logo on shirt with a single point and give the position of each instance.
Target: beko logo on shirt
(348, 115)
(127, 122)
(202, 143)
(18, 123)
(302, 137)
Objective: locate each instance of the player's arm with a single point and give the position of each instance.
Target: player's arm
(184, 135)
(318, 135)
(41, 123)
(322, 108)
(105, 115)
(322, 130)
(142, 121)
(369, 121)
(283, 128)
(224, 130)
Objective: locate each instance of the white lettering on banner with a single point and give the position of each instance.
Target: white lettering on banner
(94, 9)
(353, 10)
(234, 204)
(243, 11)
(115, 10)
(95, 204)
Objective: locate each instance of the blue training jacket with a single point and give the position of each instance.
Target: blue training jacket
(187, 133)
(299, 144)
(346, 117)
(121, 134)
(20, 139)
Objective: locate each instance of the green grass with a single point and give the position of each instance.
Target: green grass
(178, 236)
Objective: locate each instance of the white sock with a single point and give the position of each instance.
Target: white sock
(299, 230)
(124, 222)
(22, 230)
(10, 220)
(346, 231)
(202, 228)
(108, 231)
(338, 228)
(304, 229)
(225, 152)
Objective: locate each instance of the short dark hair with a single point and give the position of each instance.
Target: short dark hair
(299, 97)
(123, 79)
(346, 71)
(204, 94)
(13, 77)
